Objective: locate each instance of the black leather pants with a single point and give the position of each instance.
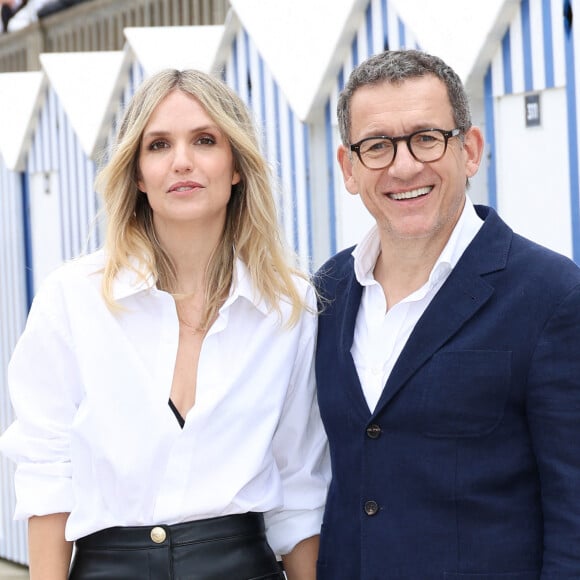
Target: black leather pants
(225, 548)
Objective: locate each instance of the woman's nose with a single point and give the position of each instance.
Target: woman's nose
(182, 159)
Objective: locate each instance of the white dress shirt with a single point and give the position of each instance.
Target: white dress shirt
(381, 334)
(95, 436)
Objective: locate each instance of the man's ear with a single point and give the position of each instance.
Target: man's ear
(345, 161)
(473, 145)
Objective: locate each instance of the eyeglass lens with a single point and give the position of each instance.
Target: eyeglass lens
(425, 146)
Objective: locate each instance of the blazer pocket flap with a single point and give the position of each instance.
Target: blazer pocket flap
(466, 392)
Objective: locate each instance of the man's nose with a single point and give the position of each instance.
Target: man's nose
(404, 163)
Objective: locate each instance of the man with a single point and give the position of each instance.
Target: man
(448, 361)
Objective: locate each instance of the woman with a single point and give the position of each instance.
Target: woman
(163, 387)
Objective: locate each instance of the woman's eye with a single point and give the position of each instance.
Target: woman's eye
(156, 145)
(206, 140)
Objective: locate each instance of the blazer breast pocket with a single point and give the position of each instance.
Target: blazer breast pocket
(465, 392)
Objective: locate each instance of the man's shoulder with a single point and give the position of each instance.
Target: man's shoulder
(522, 252)
(335, 268)
(549, 266)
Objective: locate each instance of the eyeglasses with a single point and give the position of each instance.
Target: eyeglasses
(426, 146)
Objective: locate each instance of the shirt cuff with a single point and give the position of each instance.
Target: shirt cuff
(42, 489)
(286, 529)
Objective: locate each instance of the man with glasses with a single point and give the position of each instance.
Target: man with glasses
(448, 362)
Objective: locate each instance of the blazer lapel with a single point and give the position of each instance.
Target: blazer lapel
(347, 311)
(459, 299)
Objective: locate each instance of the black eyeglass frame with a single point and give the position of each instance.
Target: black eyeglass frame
(407, 139)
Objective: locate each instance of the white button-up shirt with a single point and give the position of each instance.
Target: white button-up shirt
(95, 436)
(381, 334)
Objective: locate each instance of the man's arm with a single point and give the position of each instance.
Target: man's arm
(553, 408)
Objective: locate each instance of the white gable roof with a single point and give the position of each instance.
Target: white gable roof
(21, 95)
(301, 41)
(179, 47)
(305, 41)
(464, 34)
(85, 83)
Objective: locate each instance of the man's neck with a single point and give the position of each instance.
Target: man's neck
(404, 266)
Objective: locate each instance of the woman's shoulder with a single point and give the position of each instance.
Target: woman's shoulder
(74, 273)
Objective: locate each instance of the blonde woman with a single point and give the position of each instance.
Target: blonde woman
(163, 387)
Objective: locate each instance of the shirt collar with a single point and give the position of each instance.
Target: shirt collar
(367, 251)
(128, 283)
(243, 287)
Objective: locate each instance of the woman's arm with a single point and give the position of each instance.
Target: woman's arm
(50, 553)
(300, 563)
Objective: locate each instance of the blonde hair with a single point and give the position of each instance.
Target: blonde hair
(251, 231)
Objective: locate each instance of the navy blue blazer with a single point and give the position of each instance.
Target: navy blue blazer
(469, 467)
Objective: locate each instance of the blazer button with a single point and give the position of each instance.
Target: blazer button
(158, 535)
(373, 431)
(371, 508)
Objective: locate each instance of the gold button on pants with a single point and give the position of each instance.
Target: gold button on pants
(158, 535)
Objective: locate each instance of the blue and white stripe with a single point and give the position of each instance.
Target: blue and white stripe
(15, 297)
(537, 52)
(285, 139)
(381, 29)
(530, 56)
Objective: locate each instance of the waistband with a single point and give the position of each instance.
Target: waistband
(136, 537)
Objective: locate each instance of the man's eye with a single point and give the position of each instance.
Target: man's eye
(379, 145)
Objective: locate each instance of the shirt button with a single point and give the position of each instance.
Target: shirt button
(371, 508)
(373, 431)
(158, 535)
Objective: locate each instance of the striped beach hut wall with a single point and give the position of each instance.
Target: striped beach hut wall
(285, 137)
(14, 302)
(531, 126)
(289, 69)
(380, 28)
(20, 98)
(572, 63)
(65, 153)
(48, 210)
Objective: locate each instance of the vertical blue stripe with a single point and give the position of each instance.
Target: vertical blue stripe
(402, 33)
(490, 138)
(572, 137)
(527, 46)
(331, 169)
(262, 92)
(277, 133)
(369, 21)
(506, 52)
(354, 50)
(278, 138)
(248, 75)
(27, 234)
(308, 184)
(294, 193)
(548, 44)
(340, 80)
(236, 65)
(385, 25)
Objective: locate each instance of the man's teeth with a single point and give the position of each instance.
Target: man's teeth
(410, 194)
